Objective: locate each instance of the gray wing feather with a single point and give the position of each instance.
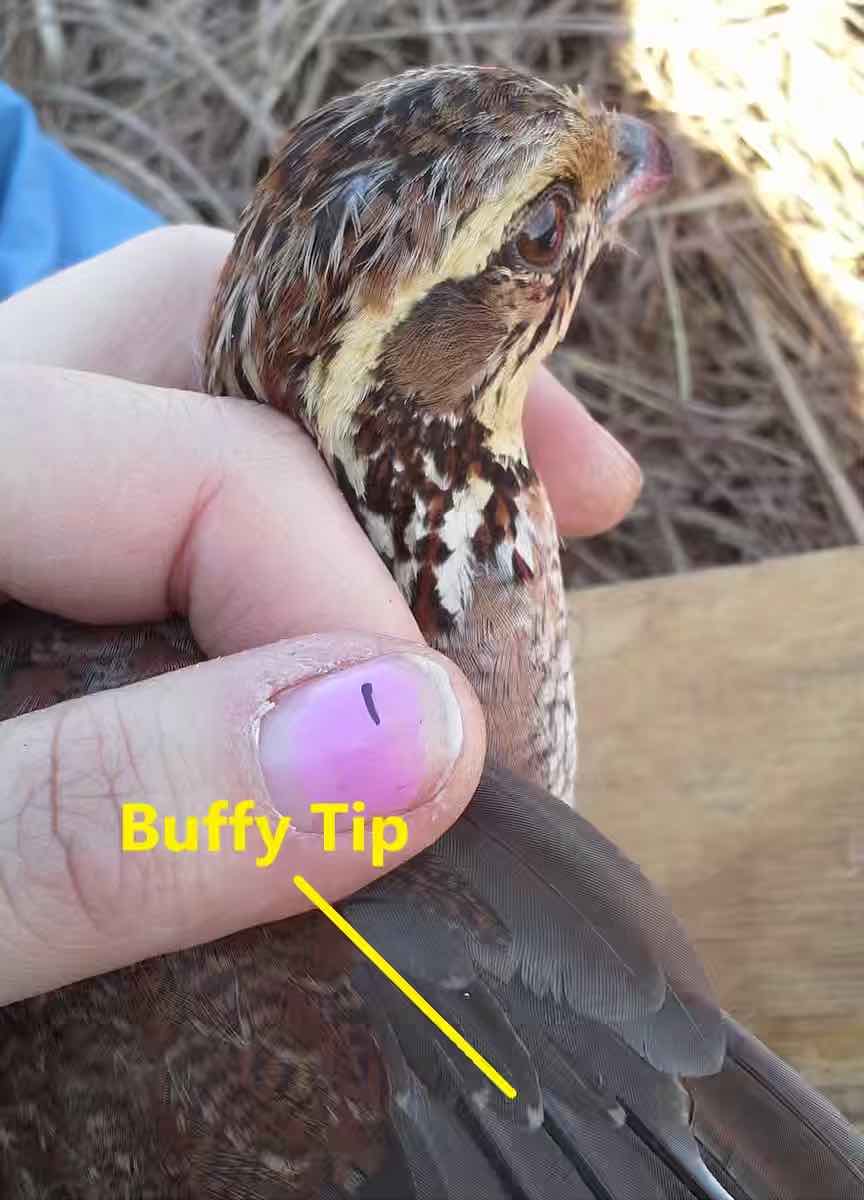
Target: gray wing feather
(768, 1135)
(579, 985)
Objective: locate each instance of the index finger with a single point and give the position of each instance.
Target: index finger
(125, 503)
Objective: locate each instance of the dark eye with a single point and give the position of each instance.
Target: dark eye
(541, 239)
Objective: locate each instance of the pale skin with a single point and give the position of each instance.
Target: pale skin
(129, 495)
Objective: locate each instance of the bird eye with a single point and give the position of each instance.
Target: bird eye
(541, 239)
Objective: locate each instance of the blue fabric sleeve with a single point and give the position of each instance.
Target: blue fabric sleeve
(54, 211)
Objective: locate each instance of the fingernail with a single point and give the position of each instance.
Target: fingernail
(387, 733)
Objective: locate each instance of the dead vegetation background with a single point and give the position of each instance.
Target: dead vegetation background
(724, 345)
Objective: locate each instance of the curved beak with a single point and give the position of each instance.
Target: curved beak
(646, 167)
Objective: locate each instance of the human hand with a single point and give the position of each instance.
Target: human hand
(126, 496)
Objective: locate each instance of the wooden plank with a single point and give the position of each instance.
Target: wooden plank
(722, 745)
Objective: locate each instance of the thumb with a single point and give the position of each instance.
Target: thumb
(115, 837)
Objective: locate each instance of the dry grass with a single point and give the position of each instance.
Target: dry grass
(724, 346)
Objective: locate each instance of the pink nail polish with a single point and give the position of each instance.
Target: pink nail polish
(386, 733)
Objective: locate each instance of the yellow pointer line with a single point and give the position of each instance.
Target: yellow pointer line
(405, 987)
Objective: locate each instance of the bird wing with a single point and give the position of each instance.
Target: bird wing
(766, 1132)
(593, 1005)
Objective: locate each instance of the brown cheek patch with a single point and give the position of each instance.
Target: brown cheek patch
(442, 349)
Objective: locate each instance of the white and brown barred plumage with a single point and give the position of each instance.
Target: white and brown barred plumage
(379, 293)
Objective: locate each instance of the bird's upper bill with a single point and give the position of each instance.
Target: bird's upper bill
(645, 166)
(424, 242)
